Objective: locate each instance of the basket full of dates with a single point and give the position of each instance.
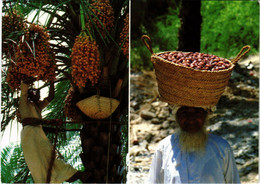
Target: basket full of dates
(191, 79)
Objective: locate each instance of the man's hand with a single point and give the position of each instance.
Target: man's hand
(29, 80)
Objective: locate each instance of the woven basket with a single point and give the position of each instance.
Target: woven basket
(98, 107)
(186, 86)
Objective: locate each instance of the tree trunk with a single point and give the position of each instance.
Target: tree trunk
(101, 156)
(189, 32)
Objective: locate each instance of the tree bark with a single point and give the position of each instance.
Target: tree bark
(189, 32)
(101, 155)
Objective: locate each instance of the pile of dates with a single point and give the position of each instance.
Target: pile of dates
(196, 60)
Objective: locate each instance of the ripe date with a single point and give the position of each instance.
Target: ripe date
(197, 60)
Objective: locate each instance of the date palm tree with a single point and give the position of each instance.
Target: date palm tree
(103, 141)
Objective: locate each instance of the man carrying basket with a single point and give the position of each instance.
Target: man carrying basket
(193, 155)
(192, 83)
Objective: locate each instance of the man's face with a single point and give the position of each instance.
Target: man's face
(191, 119)
(34, 95)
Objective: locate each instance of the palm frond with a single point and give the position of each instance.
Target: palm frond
(57, 103)
(8, 106)
(13, 166)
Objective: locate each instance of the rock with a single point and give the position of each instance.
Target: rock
(163, 114)
(166, 124)
(134, 104)
(171, 118)
(255, 134)
(147, 115)
(240, 161)
(149, 137)
(229, 113)
(235, 75)
(171, 131)
(163, 104)
(137, 177)
(155, 121)
(163, 134)
(249, 82)
(250, 66)
(146, 168)
(140, 160)
(156, 104)
(144, 145)
(157, 139)
(133, 116)
(136, 121)
(135, 142)
(215, 126)
(136, 168)
(132, 110)
(136, 151)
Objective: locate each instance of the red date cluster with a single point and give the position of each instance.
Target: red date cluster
(197, 60)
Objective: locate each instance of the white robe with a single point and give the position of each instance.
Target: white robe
(37, 147)
(171, 165)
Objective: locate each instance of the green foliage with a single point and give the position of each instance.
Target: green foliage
(9, 103)
(167, 34)
(13, 166)
(140, 56)
(15, 170)
(164, 36)
(228, 26)
(124, 141)
(61, 91)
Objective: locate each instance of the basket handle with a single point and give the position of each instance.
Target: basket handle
(147, 42)
(240, 54)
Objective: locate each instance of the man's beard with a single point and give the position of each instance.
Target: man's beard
(193, 142)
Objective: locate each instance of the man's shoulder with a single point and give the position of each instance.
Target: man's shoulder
(215, 139)
(166, 142)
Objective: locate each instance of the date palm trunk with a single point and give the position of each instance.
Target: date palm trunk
(101, 155)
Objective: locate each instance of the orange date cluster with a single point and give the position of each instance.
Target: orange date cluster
(104, 14)
(85, 61)
(12, 25)
(36, 59)
(33, 58)
(124, 37)
(14, 77)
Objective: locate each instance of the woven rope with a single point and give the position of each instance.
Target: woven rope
(240, 55)
(147, 42)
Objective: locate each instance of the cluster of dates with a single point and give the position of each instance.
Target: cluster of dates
(197, 60)
(12, 23)
(32, 57)
(124, 36)
(70, 108)
(103, 16)
(85, 61)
